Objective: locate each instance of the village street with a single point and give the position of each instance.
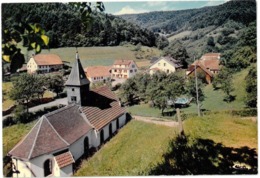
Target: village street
(61, 101)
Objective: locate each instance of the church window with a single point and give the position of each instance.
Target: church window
(47, 167)
(72, 89)
(73, 98)
(133, 66)
(131, 71)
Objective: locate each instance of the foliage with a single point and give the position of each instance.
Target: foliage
(186, 155)
(161, 42)
(225, 82)
(171, 21)
(69, 24)
(178, 52)
(251, 88)
(191, 89)
(31, 35)
(20, 115)
(25, 87)
(158, 88)
(55, 83)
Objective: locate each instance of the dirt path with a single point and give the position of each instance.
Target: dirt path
(155, 120)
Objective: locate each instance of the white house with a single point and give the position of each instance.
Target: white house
(98, 73)
(44, 63)
(166, 64)
(124, 69)
(63, 136)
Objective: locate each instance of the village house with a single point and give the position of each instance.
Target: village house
(98, 73)
(44, 63)
(166, 64)
(61, 137)
(209, 64)
(124, 69)
(201, 70)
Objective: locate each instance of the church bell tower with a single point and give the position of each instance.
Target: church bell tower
(77, 84)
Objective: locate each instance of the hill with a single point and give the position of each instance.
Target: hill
(208, 29)
(64, 26)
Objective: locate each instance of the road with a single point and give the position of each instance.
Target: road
(56, 102)
(155, 120)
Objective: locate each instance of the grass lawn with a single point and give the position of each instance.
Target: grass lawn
(7, 102)
(92, 56)
(133, 151)
(139, 146)
(13, 134)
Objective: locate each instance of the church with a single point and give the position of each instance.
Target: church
(61, 137)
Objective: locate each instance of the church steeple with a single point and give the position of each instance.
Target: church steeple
(77, 84)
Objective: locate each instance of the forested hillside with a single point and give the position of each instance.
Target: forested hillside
(64, 26)
(208, 29)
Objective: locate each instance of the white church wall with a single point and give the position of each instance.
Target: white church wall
(37, 165)
(122, 120)
(22, 168)
(66, 171)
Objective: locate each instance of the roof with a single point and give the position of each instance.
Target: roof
(200, 65)
(211, 64)
(98, 71)
(170, 60)
(207, 56)
(77, 75)
(123, 62)
(153, 59)
(47, 59)
(103, 109)
(64, 159)
(54, 131)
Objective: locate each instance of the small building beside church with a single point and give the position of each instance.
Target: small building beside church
(61, 137)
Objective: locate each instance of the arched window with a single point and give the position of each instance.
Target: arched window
(86, 146)
(101, 137)
(47, 167)
(110, 130)
(117, 123)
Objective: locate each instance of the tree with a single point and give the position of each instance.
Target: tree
(178, 52)
(251, 88)
(224, 81)
(128, 91)
(56, 84)
(25, 87)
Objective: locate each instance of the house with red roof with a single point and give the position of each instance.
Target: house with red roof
(44, 63)
(61, 137)
(98, 73)
(124, 69)
(208, 64)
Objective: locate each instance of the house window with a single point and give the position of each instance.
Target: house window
(101, 77)
(168, 71)
(164, 64)
(125, 71)
(115, 70)
(47, 167)
(94, 78)
(74, 98)
(72, 89)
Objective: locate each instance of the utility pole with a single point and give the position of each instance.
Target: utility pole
(197, 93)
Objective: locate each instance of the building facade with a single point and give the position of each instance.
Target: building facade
(44, 63)
(166, 64)
(124, 69)
(98, 73)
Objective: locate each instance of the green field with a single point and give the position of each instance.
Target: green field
(138, 148)
(133, 151)
(13, 134)
(92, 56)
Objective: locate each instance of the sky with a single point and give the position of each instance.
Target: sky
(135, 7)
